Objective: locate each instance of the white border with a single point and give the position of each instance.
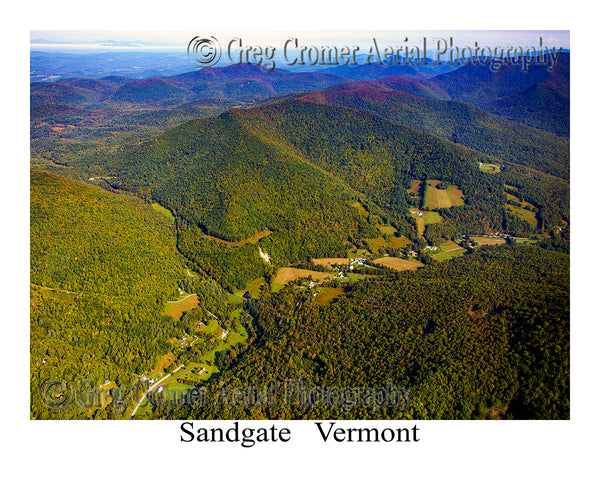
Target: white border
(467, 449)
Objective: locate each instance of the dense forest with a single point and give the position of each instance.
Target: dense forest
(458, 122)
(483, 336)
(102, 267)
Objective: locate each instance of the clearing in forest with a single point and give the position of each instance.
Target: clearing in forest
(176, 308)
(439, 198)
(398, 263)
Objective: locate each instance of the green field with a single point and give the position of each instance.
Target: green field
(386, 229)
(376, 244)
(431, 217)
(448, 250)
(250, 240)
(523, 214)
(425, 219)
(253, 288)
(523, 203)
(327, 294)
(361, 209)
(489, 167)
(234, 299)
(436, 198)
(358, 253)
(163, 211)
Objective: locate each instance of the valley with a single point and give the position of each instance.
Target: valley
(237, 225)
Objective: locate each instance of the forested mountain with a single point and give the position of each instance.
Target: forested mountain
(537, 98)
(292, 167)
(373, 70)
(102, 266)
(483, 336)
(456, 121)
(73, 116)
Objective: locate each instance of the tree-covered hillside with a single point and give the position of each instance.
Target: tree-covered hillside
(483, 336)
(102, 266)
(458, 122)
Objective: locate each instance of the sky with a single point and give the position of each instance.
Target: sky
(106, 40)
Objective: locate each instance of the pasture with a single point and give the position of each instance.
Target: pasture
(523, 214)
(386, 229)
(399, 264)
(489, 240)
(175, 309)
(436, 198)
(253, 288)
(489, 167)
(448, 250)
(424, 219)
(251, 240)
(376, 244)
(288, 274)
(361, 209)
(327, 295)
(328, 262)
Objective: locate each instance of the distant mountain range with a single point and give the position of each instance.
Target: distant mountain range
(537, 98)
(242, 82)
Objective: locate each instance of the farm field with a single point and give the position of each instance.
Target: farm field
(386, 229)
(234, 299)
(175, 309)
(358, 253)
(361, 209)
(251, 240)
(398, 263)
(253, 288)
(489, 240)
(436, 198)
(328, 262)
(288, 274)
(425, 219)
(523, 203)
(327, 294)
(448, 250)
(523, 214)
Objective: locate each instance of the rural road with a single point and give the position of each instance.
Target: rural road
(181, 299)
(152, 388)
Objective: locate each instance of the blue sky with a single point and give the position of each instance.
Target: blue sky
(96, 40)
